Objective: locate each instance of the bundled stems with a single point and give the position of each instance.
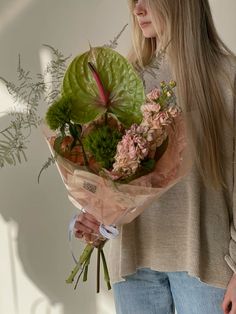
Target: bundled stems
(83, 265)
(83, 259)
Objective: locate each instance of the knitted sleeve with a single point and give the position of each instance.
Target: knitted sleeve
(231, 258)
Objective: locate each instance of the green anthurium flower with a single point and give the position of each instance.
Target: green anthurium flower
(99, 81)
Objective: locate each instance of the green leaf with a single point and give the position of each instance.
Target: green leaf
(161, 149)
(57, 144)
(105, 269)
(119, 79)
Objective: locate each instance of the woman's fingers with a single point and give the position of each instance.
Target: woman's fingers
(87, 217)
(229, 302)
(227, 307)
(87, 227)
(225, 303)
(86, 224)
(79, 226)
(79, 234)
(89, 238)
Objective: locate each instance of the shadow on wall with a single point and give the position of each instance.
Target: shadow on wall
(42, 212)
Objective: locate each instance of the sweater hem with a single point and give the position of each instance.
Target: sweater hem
(214, 283)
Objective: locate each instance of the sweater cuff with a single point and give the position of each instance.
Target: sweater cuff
(230, 263)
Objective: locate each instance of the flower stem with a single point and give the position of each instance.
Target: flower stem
(84, 154)
(106, 118)
(83, 258)
(106, 272)
(98, 268)
(78, 278)
(85, 277)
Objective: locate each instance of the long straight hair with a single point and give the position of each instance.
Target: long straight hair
(197, 57)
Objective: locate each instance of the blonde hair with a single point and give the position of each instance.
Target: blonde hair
(196, 55)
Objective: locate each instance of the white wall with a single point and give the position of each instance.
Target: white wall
(34, 253)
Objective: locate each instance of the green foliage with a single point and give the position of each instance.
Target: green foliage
(148, 165)
(102, 143)
(51, 160)
(59, 113)
(152, 67)
(114, 43)
(12, 145)
(161, 149)
(30, 92)
(56, 70)
(167, 96)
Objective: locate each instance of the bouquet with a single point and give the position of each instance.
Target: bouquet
(117, 149)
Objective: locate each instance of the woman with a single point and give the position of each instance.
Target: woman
(181, 252)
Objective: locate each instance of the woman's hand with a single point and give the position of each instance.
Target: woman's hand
(229, 302)
(87, 227)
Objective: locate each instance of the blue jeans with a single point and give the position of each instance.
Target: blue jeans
(153, 292)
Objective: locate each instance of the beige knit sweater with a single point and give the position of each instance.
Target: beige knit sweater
(190, 228)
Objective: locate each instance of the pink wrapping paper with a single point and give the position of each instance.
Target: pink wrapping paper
(114, 203)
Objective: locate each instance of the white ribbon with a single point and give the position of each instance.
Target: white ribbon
(108, 232)
(70, 234)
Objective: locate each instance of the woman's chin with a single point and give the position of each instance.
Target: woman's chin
(149, 34)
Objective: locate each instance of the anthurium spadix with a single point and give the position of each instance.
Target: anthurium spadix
(104, 95)
(101, 80)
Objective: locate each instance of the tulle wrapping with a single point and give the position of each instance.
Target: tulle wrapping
(113, 203)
